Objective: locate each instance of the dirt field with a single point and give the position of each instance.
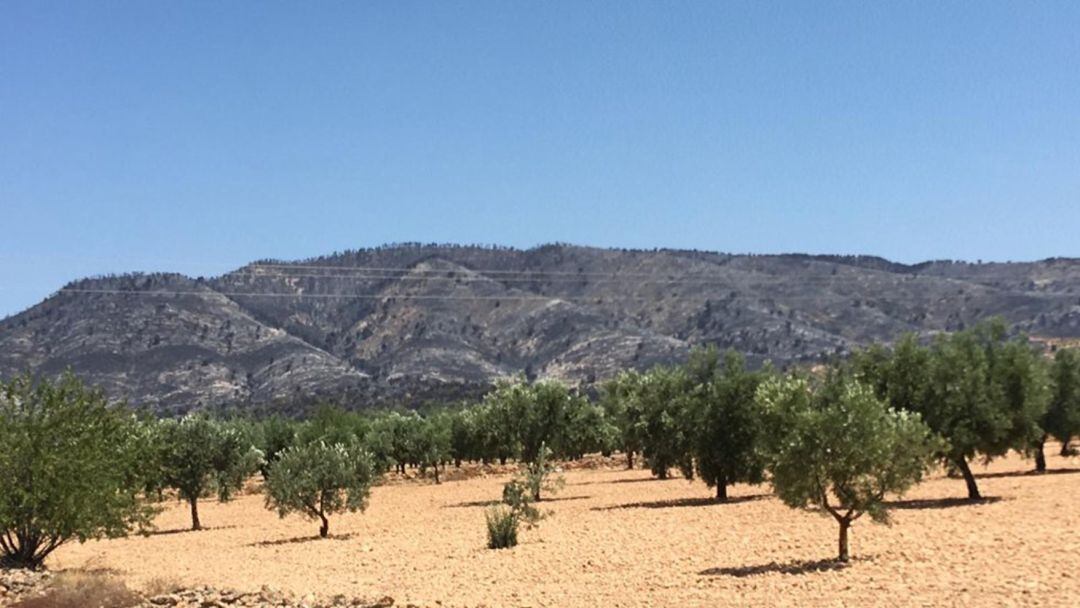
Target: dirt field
(619, 538)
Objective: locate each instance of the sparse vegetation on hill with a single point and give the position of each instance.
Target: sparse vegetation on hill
(449, 321)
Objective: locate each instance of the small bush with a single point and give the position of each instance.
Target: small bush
(517, 496)
(538, 475)
(502, 527)
(71, 590)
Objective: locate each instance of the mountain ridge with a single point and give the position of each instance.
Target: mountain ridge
(410, 322)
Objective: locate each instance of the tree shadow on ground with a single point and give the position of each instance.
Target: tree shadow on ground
(940, 503)
(93, 570)
(639, 480)
(605, 481)
(492, 503)
(473, 503)
(183, 530)
(563, 498)
(1031, 473)
(707, 501)
(299, 539)
(793, 567)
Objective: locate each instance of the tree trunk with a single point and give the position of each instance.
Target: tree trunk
(502, 459)
(457, 463)
(721, 491)
(195, 524)
(630, 459)
(324, 529)
(1040, 456)
(844, 554)
(1065, 447)
(969, 478)
(24, 553)
(437, 474)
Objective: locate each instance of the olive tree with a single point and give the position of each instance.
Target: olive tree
(621, 401)
(70, 469)
(1062, 418)
(545, 420)
(980, 390)
(664, 427)
(464, 442)
(275, 434)
(201, 457)
(394, 437)
(726, 438)
(842, 452)
(432, 444)
(318, 479)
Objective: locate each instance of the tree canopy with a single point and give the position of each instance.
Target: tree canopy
(72, 468)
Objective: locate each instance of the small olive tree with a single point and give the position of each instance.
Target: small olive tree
(70, 469)
(318, 479)
(200, 457)
(842, 451)
(503, 520)
(541, 475)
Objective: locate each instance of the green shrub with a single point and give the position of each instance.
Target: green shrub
(502, 527)
(517, 496)
(537, 475)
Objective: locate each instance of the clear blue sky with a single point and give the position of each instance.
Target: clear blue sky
(195, 136)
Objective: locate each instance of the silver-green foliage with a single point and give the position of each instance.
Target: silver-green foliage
(842, 451)
(318, 479)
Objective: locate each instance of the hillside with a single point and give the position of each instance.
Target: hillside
(413, 322)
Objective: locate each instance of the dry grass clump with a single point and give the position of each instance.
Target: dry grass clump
(83, 590)
(161, 585)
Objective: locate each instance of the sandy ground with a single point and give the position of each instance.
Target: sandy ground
(620, 538)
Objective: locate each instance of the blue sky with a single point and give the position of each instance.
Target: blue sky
(196, 136)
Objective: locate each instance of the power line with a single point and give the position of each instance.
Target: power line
(608, 280)
(869, 301)
(323, 295)
(435, 270)
(528, 272)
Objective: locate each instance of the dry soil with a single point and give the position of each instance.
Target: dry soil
(621, 538)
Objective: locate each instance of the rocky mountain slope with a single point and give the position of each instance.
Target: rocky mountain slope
(414, 322)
